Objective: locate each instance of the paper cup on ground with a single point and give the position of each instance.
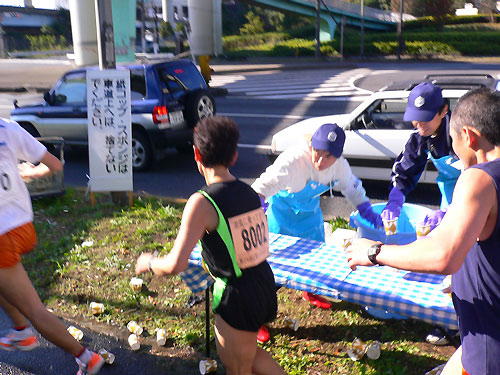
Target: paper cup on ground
(161, 337)
(96, 308)
(357, 350)
(423, 230)
(207, 366)
(390, 226)
(134, 327)
(373, 350)
(133, 341)
(136, 284)
(292, 323)
(108, 357)
(75, 332)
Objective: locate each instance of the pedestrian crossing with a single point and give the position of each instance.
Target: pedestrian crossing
(294, 84)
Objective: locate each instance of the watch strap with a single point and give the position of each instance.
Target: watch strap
(373, 251)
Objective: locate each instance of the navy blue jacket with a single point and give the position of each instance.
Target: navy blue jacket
(410, 164)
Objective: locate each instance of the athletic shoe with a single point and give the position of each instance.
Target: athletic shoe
(21, 340)
(316, 300)
(93, 365)
(442, 336)
(263, 335)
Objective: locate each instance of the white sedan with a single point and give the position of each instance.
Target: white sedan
(375, 134)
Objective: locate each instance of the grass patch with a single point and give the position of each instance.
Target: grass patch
(88, 254)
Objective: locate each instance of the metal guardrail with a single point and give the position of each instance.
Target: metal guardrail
(52, 185)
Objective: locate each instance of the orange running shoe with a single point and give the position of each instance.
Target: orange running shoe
(20, 340)
(93, 365)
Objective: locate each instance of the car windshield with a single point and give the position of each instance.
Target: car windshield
(384, 114)
(72, 89)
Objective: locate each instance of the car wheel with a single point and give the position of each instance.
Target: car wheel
(142, 154)
(30, 129)
(199, 106)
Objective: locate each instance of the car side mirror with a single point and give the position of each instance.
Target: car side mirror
(49, 99)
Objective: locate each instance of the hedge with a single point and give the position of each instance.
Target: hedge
(433, 22)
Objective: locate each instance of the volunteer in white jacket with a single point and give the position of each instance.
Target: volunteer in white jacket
(293, 184)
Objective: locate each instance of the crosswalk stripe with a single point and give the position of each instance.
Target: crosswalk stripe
(313, 84)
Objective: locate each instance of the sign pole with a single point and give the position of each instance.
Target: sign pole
(107, 60)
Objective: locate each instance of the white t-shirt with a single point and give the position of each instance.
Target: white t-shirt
(294, 168)
(15, 202)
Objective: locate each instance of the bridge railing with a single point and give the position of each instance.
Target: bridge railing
(378, 14)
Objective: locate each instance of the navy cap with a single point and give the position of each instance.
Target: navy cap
(329, 137)
(424, 102)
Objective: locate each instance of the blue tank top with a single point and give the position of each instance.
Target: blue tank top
(476, 297)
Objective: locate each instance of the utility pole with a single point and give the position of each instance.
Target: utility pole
(400, 30)
(156, 44)
(105, 35)
(342, 24)
(362, 40)
(143, 25)
(3, 51)
(317, 54)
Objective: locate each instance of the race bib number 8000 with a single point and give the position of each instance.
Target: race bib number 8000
(251, 237)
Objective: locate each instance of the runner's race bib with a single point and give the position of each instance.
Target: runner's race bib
(250, 237)
(8, 178)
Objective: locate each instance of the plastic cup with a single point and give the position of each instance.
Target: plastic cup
(161, 337)
(134, 327)
(108, 357)
(75, 332)
(207, 366)
(423, 230)
(133, 341)
(373, 350)
(390, 226)
(136, 284)
(96, 308)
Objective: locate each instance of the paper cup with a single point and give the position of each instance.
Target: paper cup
(207, 366)
(292, 323)
(357, 350)
(134, 327)
(161, 337)
(133, 341)
(373, 350)
(136, 284)
(75, 332)
(108, 357)
(423, 230)
(96, 308)
(390, 226)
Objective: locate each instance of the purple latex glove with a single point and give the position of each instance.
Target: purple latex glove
(395, 203)
(434, 218)
(366, 211)
(263, 203)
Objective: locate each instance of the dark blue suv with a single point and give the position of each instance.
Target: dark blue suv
(167, 100)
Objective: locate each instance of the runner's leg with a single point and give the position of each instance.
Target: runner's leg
(16, 288)
(239, 352)
(18, 319)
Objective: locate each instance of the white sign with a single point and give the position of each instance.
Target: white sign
(109, 130)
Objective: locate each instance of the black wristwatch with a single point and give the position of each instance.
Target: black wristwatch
(373, 251)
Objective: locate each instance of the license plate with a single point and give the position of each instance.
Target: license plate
(176, 118)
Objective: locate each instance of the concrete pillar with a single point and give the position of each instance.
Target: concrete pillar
(206, 27)
(28, 3)
(84, 31)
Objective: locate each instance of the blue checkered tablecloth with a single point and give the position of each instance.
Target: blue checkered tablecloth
(322, 269)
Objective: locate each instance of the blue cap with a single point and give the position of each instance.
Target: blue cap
(329, 137)
(424, 102)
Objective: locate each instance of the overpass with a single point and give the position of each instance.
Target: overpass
(331, 16)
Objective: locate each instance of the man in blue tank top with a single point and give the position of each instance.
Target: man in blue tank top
(467, 242)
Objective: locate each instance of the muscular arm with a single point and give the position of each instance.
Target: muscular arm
(472, 215)
(198, 216)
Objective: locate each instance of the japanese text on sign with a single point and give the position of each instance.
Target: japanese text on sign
(109, 130)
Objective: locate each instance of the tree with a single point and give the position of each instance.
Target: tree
(254, 24)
